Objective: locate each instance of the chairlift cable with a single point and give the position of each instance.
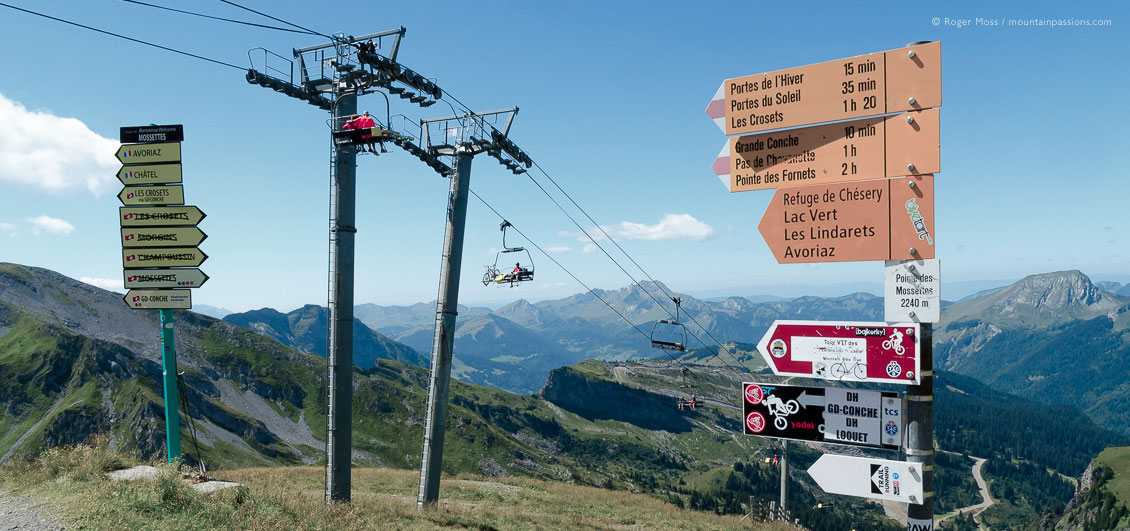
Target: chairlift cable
(264, 26)
(685, 368)
(120, 36)
(717, 350)
(276, 19)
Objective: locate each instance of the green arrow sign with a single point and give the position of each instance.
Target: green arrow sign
(150, 174)
(163, 257)
(162, 237)
(159, 299)
(152, 195)
(164, 216)
(164, 278)
(147, 153)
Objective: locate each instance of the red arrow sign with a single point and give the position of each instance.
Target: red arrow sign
(850, 351)
(883, 219)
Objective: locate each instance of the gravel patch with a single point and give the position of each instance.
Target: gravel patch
(28, 513)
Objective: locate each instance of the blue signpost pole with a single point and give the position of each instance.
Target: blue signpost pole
(169, 373)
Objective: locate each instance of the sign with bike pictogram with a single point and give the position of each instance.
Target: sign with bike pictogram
(847, 351)
(818, 414)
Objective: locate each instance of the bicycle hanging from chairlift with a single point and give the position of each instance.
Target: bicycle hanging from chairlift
(514, 276)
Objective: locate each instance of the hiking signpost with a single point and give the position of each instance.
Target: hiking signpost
(883, 219)
(159, 244)
(823, 414)
(879, 479)
(906, 79)
(859, 189)
(890, 146)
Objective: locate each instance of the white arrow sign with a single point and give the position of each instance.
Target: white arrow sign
(864, 477)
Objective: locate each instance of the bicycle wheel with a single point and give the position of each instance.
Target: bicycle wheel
(860, 371)
(487, 278)
(838, 370)
(887, 344)
(780, 423)
(792, 406)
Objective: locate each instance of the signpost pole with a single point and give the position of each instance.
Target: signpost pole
(169, 376)
(443, 341)
(339, 440)
(784, 477)
(920, 433)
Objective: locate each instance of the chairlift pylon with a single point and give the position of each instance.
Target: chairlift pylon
(514, 276)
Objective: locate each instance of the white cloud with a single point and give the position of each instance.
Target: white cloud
(671, 227)
(9, 228)
(49, 224)
(113, 284)
(52, 154)
(556, 248)
(588, 248)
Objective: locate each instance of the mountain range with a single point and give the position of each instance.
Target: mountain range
(74, 360)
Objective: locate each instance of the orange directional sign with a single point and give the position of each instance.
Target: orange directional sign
(902, 144)
(883, 219)
(162, 237)
(149, 153)
(159, 299)
(905, 79)
(163, 257)
(163, 216)
(152, 195)
(150, 174)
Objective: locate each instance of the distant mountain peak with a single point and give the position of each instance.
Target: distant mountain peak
(1039, 301)
(1057, 291)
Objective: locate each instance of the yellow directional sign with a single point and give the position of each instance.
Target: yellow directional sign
(150, 174)
(152, 195)
(164, 278)
(162, 237)
(147, 153)
(159, 299)
(163, 257)
(163, 216)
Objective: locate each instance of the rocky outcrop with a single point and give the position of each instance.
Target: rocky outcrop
(595, 398)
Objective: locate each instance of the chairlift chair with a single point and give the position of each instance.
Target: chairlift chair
(670, 334)
(503, 276)
(688, 403)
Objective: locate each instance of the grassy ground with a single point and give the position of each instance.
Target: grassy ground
(1118, 459)
(291, 498)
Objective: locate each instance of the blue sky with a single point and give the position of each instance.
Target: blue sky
(612, 98)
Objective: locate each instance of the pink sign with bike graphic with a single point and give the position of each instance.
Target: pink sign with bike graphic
(847, 351)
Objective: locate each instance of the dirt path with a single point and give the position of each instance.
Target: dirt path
(986, 499)
(28, 513)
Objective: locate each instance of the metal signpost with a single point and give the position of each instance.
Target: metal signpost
(848, 351)
(865, 477)
(884, 219)
(821, 414)
(157, 240)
